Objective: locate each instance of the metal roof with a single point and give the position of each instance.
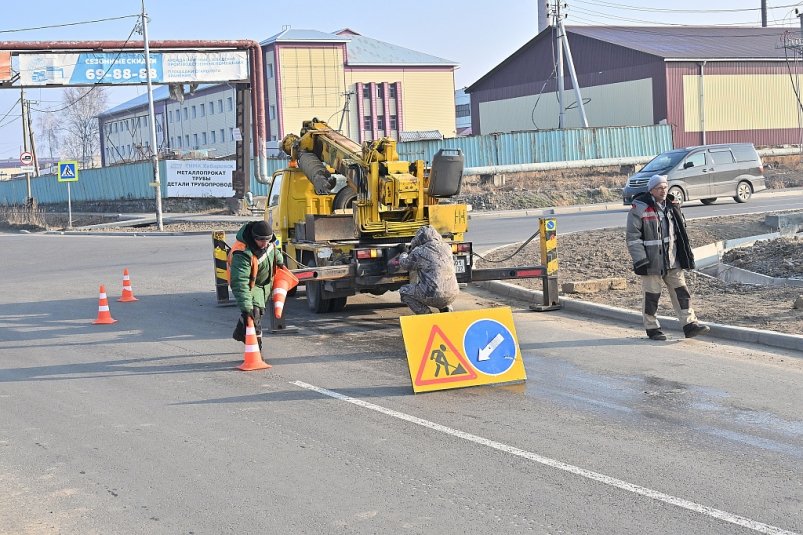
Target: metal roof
(161, 92)
(362, 50)
(291, 35)
(692, 42)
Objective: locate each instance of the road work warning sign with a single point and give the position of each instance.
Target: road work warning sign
(458, 349)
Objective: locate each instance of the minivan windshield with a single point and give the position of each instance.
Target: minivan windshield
(664, 161)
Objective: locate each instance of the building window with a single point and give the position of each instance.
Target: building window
(220, 105)
(203, 138)
(187, 140)
(229, 104)
(170, 115)
(214, 136)
(186, 113)
(380, 122)
(115, 128)
(212, 108)
(195, 140)
(145, 121)
(367, 124)
(463, 110)
(394, 122)
(203, 110)
(179, 141)
(231, 131)
(270, 70)
(194, 113)
(222, 136)
(366, 91)
(380, 90)
(272, 111)
(392, 90)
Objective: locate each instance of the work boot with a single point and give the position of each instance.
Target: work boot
(656, 334)
(447, 308)
(695, 329)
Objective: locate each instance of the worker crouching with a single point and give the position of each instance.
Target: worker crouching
(433, 282)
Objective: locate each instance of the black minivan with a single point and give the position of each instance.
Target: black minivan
(705, 172)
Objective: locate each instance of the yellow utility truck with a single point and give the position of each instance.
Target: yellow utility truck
(343, 211)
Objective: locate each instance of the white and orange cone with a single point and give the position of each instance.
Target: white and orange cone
(128, 293)
(283, 282)
(252, 358)
(104, 315)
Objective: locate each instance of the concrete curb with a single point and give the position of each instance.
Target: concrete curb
(726, 332)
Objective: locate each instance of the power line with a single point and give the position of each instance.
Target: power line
(668, 10)
(68, 24)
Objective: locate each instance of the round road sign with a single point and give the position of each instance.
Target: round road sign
(26, 158)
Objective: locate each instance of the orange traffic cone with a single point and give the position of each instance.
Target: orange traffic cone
(252, 359)
(104, 316)
(283, 282)
(128, 293)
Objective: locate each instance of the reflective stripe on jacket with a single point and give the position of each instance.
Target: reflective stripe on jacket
(645, 238)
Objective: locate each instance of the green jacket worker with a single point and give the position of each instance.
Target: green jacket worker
(252, 262)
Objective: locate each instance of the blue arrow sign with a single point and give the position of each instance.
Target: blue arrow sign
(490, 347)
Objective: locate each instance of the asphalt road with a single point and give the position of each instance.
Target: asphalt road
(492, 230)
(145, 426)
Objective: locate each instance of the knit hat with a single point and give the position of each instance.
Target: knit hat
(261, 231)
(655, 180)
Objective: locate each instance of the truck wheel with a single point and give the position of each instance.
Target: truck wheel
(315, 300)
(337, 304)
(344, 199)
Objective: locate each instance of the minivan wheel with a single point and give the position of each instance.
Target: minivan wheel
(712, 200)
(678, 194)
(743, 192)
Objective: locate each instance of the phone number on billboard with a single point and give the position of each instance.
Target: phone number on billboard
(119, 74)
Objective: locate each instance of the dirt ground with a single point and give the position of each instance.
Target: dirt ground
(603, 254)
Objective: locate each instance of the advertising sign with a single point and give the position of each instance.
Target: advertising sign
(200, 178)
(128, 68)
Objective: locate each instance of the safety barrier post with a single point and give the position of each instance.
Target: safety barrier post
(548, 232)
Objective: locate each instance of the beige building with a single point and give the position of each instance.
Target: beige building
(364, 87)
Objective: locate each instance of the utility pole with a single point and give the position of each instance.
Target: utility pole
(556, 29)
(348, 95)
(33, 142)
(562, 44)
(763, 13)
(157, 184)
(25, 141)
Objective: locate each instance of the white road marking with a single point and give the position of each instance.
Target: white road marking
(582, 472)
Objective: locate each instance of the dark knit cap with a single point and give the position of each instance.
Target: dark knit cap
(261, 231)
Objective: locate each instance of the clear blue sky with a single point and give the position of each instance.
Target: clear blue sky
(477, 34)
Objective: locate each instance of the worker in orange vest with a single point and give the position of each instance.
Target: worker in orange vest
(252, 262)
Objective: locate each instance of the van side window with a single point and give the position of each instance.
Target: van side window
(698, 160)
(722, 156)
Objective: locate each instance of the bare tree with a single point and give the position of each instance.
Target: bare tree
(48, 135)
(78, 123)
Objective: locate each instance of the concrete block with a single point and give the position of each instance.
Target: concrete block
(593, 286)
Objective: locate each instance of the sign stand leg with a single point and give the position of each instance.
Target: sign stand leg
(69, 208)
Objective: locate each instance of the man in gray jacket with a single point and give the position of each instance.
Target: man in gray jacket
(433, 282)
(660, 248)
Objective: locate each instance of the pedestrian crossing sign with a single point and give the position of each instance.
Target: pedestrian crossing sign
(68, 171)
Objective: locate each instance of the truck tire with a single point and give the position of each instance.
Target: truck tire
(337, 304)
(344, 199)
(315, 300)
